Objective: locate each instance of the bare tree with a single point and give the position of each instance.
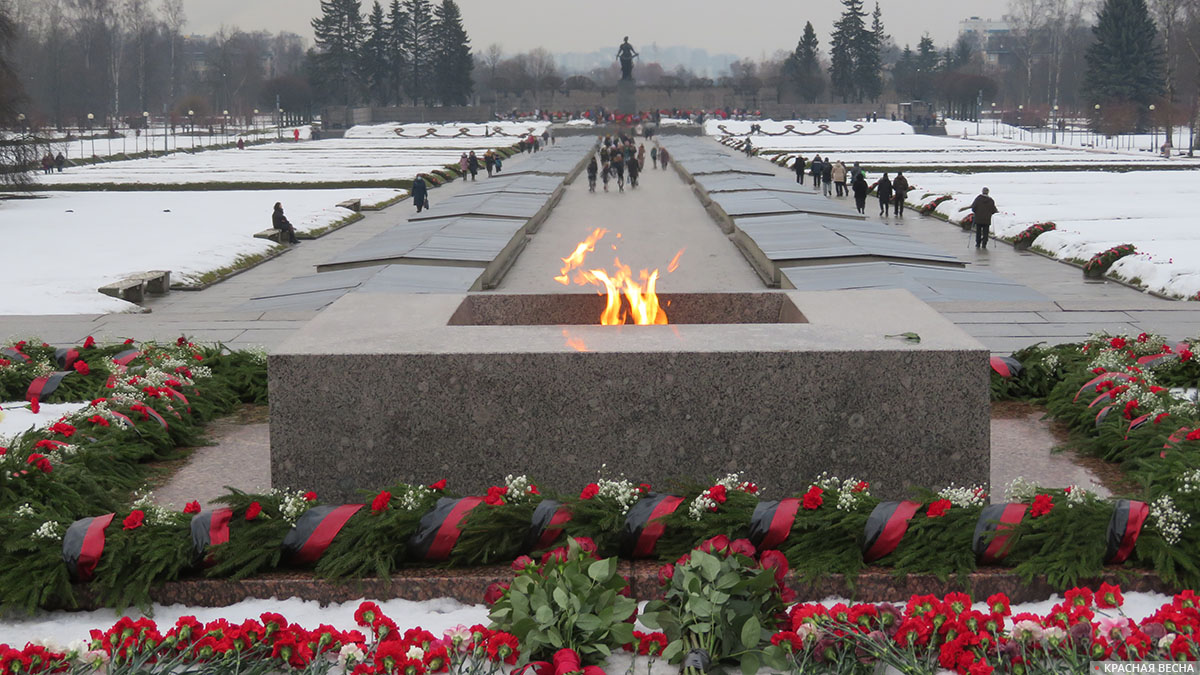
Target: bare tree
(1169, 15)
(174, 18)
(1026, 19)
(1062, 19)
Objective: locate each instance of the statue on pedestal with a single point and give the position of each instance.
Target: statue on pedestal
(626, 54)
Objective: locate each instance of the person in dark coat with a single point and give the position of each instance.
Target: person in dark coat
(473, 164)
(59, 162)
(827, 178)
(420, 193)
(280, 222)
(900, 190)
(983, 208)
(798, 167)
(618, 168)
(634, 168)
(815, 170)
(592, 170)
(860, 189)
(663, 157)
(883, 190)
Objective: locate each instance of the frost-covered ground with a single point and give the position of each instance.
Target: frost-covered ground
(1149, 206)
(434, 615)
(16, 417)
(128, 141)
(59, 249)
(374, 152)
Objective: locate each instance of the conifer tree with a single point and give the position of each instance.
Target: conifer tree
(417, 37)
(397, 56)
(868, 63)
(803, 66)
(338, 32)
(1125, 63)
(452, 55)
(376, 69)
(847, 33)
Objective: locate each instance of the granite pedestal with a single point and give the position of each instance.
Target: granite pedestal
(627, 97)
(780, 385)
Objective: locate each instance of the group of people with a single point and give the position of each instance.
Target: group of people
(834, 177)
(468, 164)
(620, 156)
(50, 163)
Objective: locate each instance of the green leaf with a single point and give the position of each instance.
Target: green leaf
(908, 337)
(602, 569)
(702, 627)
(673, 651)
(751, 635)
(561, 598)
(622, 633)
(710, 567)
(650, 620)
(544, 615)
(750, 663)
(587, 622)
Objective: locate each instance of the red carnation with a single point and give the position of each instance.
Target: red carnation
(717, 493)
(134, 520)
(1117, 343)
(82, 368)
(812, 498)
(1194, 434)
(938, 508)
(1130, 409)
(860, 486)
(495, 495)
(665, 574)
(253, 510)
(438, 486)
(192, 507)
(1042, 504)
(99, 419)
(742, 546)
(310, 496)
(380, 503)
(40, 461)
(590, 490)
(89, 342)
(1109, 596)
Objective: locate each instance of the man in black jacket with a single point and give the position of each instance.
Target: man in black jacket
(280, 222)
(982, 209)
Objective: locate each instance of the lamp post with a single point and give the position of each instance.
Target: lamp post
(993, 118)
(191, 128)
(1153, 130)
(1096, 126)
(279, 125)
(92, 117)
(1020, 111)
(225, 125)
(254, 124)
(146, 126)
(1054, 125)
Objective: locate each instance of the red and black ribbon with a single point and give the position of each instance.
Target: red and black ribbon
(126, 357)
(1174, 439)
(66, 357)
(1091, 385)
(886, 527)
(14, 355)
(83, 544)
(772, 522)
(546, 524)
(1136, 423)
(210, 528)
(644, 525)
(996, 518)
(178, 397)
(315, 529)
(439, 529)
(1106, 396)
(1123, 529)
(1006, 366)
(43, 386)
(1103, 414)
(1155, 360)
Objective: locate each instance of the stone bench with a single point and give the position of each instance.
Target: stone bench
(354, 205)
(133, 288)
(272, 234)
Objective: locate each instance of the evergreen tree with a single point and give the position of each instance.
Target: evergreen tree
(452, 55)
(847, 34)
(868, 64)
(809, 81)
(417, 37)
(338, 32)
(1125, 63)
(375, 67)
(926, 64)
(904, 73)
(17, 152)
(397, 56)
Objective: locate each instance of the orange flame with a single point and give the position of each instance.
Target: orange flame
(674, 264)
(639, 295)
(576, 259)
(574, 342)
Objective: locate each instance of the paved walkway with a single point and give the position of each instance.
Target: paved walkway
(654, 222)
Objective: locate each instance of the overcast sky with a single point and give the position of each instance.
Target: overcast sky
(749, 28)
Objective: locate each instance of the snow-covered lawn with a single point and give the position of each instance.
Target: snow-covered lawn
(59, 249)
(16, 417)
(1093, 211)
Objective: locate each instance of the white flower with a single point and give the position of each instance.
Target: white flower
(94, 658)
(519, 488)
(48, 530)
(1053, 634)
(1189, 482)
(1169, 520)
(1027, 631)
(24, 510)
(964, 497)
(1021, 490)
(415, 653)
(1076, 495)
(349, 655)
(292, 504)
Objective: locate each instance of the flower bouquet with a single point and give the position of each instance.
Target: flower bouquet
(931, 206)
(1024, 240)
(508, 523)
(719, 605)
(1098, 266)
(374, 539)
(829, 523)
(724, 508)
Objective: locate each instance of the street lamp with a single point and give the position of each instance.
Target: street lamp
(1096, 126)
(90, 118)
(146, 126)
(254, 122)
(191, 128)
(993, 118)
(1153, 130)
(1054, 125)
(1020, 111)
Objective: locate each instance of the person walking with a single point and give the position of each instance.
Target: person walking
(606, 174)
(654, 156)
(420, 193)
(798, 166)
(463, 163)
(47, 163)
(860, 189)
(663, 158)
(827, 178)
(900, 190)
(473, 164)
(592, 168)
(59, 162)
(489, 161)
(280, 222)
(641, 156)
(883, 190)
(983, 208)
(856, 170)
(839, 177)
(815, 170)
(618, 167)
(634, 169)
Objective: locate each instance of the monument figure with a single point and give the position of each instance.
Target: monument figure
(626, 54)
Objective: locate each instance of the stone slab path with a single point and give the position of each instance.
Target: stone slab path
(654, 221)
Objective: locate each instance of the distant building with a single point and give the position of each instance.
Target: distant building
(990, 36)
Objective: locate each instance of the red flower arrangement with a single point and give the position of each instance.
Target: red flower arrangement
(134, 520)
(253, 511)
(813, 499)
(1042, 504)
(380, 503)
(1100, 262)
